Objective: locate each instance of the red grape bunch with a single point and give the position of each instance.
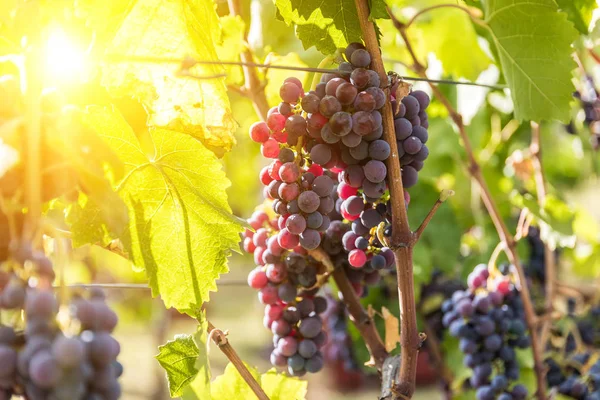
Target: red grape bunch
(46, 360)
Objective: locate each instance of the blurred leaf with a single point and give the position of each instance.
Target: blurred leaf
(579, 12)
(175, 195)
(587, 262)
(88, 224)
(104, 18)
(556, 219)
(449, 34)
(231, 46)
(534, 43)
(231, 385)
(282, 387)
(275, 77)
(178, 358)
(174, 29)
(392, 329)
(524, 358)
(585, 226)
(327, 25)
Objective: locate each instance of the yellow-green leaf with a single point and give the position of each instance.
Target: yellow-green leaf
(178, 359)
(282, 387)
(175, 29)
(534, 41)
(181, 229)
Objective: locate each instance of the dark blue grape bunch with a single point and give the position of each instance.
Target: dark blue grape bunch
(490, 326)
(577, 376)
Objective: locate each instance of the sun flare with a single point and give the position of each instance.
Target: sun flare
(65, 61)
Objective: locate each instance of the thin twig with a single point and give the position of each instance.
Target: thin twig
(237, 362)
(443, 197)
(402, 238)
(143, 286)
(549, 259)
(363, 322)
(252, 83)
(151, 59)
(490, 204)
(427, 9)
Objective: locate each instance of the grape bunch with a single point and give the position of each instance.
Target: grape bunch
(49, 359)
(326, 187)
(285, 280)
(577, 378)
(489, 323)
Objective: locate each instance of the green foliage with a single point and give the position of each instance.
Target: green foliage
(327, 25)
(199, 108)
(178, 358)
(181, 229)
(579, 12)
(534, 43)
(449, 34)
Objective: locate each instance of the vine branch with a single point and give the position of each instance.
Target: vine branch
(490, 204)
(549, 260)
(220, 340)
(363, 322)
(443, 197)
(402, 238)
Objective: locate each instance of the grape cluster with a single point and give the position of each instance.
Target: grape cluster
(326, 185)
(489, 323)
(589, 100)
(578, 378)
(339, 347)
(43, 361)
(285, 280)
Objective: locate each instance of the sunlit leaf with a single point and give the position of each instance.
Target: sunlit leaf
(534, 41)
(181, 229)
(579, 12)
(282, 387)
(199, 388)
(174, 29)
(231, 45)
(327, 25)
(178, 359)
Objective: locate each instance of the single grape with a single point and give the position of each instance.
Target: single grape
(314, 364)
(329, 105)
(364, 102)
(375, 171)
(346, 93)
(412, 145)
(360, 78)
(323, 186)
(371, 218)
(290, 92)
(379, 150)
(321, 154)
(409, 176)
(352, 139)
(332, 85)
(287, 346)
(412, 106)
(403, 128)
(296, 224)
(351, 48)
(340, 123)
(259, 132)
(308, 201)
(310, 327)
(360, 58)
(310, 102)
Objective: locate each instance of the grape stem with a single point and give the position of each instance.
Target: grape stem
(402, 240)
(443, 197)
(221, 340)
(535, 149)
(253, 87)
(363, 322)
(490, 204)
(471, 14)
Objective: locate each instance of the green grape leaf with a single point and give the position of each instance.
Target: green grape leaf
(378, 9)
(178, 358)
(534, 41)
(231, 385)
(555, 217)
(579, 12)
(449, 34)
(175, 29)
(328, 25)
(88, 223)
(181, 229)
(282, 387)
